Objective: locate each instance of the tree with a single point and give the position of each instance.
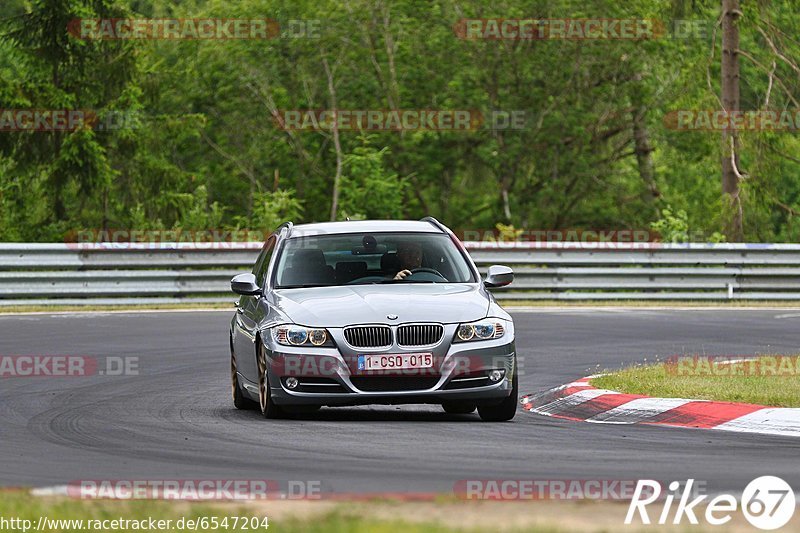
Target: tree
(731, 103)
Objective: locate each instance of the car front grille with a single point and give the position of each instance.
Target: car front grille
(368, 336)
(393, 383)
(419, 334)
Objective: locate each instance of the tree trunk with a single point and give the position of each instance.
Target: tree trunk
(731, 102)
(506, 203)
(336, 143)
(641, 143)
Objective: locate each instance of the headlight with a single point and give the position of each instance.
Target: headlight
(292, 335)
(490, 328)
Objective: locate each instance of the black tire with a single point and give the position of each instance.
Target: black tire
(266, 405)
(458, 408)
(504, 410)
(240, 401)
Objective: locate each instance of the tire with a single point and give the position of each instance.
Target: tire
(240, 401)
(504, 410)
(458, 408)
(266, 406)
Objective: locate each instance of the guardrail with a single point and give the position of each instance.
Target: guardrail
(152, 273)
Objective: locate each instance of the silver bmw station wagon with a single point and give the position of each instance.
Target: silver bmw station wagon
(371, 312)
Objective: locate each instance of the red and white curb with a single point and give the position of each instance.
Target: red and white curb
(581, 401)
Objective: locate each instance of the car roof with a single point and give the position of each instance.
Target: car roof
(365, 226)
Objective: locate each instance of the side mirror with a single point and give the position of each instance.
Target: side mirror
(245, 284)
(498, 276)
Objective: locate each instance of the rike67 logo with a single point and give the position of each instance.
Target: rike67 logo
(768, 503)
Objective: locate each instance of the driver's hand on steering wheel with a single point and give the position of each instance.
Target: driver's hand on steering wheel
(403, 274)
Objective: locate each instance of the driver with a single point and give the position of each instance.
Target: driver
(409, 255)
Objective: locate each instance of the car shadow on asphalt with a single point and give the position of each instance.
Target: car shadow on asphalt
(361, 414)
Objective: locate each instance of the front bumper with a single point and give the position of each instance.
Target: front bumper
(330, 376)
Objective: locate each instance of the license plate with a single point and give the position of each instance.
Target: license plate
(395, 361)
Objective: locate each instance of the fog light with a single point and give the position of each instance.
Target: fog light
(496, 375)
(292, 383)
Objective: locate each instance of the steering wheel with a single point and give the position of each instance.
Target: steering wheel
(428, 270)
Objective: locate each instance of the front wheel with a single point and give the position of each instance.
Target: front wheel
(503, 411)
(268, 407)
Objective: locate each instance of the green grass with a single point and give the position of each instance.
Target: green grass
(775, 383)
(444, 515)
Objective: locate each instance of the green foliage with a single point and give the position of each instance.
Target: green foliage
(508, 233)
(202, 146)
(195, 212)
(672, 226)
(271, 209)
(368, 189)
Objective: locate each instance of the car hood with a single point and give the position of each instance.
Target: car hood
(359, 304)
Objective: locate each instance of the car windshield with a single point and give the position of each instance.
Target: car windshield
(369, 258)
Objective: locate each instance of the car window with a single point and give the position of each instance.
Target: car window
(262, 263)
(365, 258)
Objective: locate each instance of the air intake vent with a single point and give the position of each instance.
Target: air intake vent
(368, 336)
(419, 334)
(393, 383)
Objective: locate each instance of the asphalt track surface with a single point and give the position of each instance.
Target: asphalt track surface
(175, 419)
